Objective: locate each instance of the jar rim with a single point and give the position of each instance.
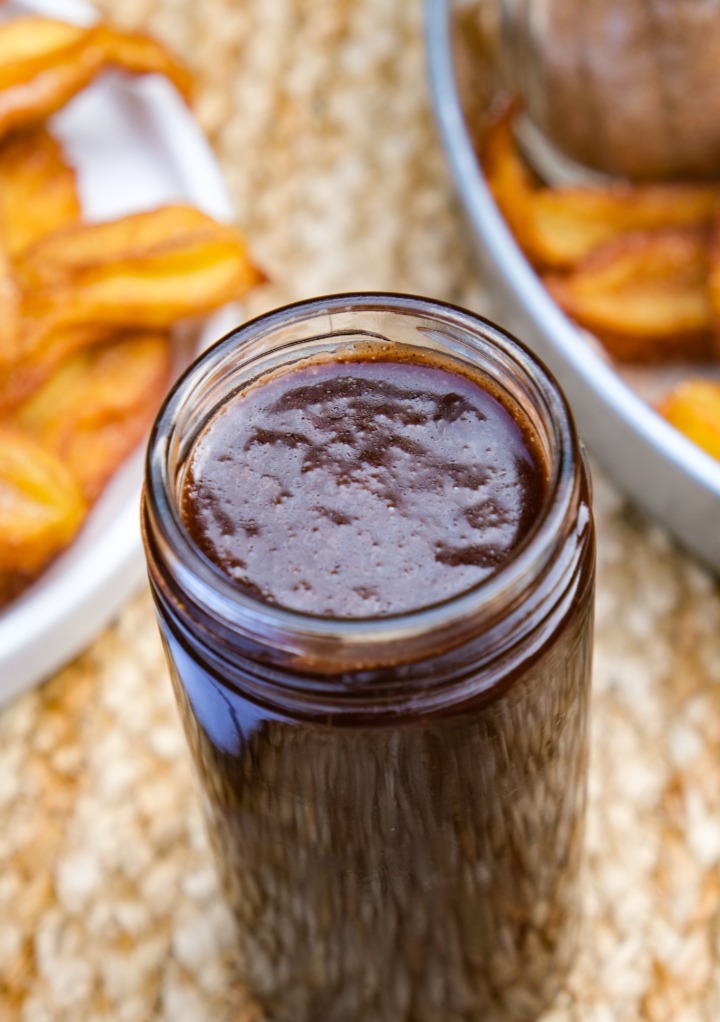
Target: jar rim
(340, 640)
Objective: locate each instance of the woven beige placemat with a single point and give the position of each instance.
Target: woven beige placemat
(319, 112)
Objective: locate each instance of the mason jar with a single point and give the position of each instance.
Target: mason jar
(395, 803)
(627, 88)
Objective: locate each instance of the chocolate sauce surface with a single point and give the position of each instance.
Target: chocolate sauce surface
(356, 489)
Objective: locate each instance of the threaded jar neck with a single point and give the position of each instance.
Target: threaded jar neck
(323, 659)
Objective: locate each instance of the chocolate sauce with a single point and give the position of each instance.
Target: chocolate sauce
(362, 488)
(397, 823)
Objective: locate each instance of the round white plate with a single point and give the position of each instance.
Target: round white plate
(135, 145)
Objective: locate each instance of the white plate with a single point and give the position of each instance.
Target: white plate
(135, 145)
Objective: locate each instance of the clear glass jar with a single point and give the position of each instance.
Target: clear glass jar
(629, 88)
(396, 804)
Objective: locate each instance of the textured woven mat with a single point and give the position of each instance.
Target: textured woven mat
(319, 112)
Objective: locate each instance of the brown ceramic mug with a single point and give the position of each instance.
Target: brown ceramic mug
(629, 88)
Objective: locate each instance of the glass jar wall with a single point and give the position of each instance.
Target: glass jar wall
(396, 804)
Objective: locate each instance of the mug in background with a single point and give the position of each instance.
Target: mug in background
(629, 88)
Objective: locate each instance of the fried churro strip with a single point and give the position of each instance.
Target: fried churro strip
(57, 257)
(645, 295)
(144, 271)
(97, 406)
(693, 407)
(41, 506)
(44, 63)
(90, 281)
(558, 227)
(10, 305)
(38, 193)
(138, 53)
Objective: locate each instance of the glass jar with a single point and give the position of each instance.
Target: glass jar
(629, 88)
(396, 804)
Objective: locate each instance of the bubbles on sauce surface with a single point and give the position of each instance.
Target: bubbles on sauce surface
(362, 488)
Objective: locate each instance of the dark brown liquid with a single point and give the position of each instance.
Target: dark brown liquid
(390, 860)
(362, 488)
